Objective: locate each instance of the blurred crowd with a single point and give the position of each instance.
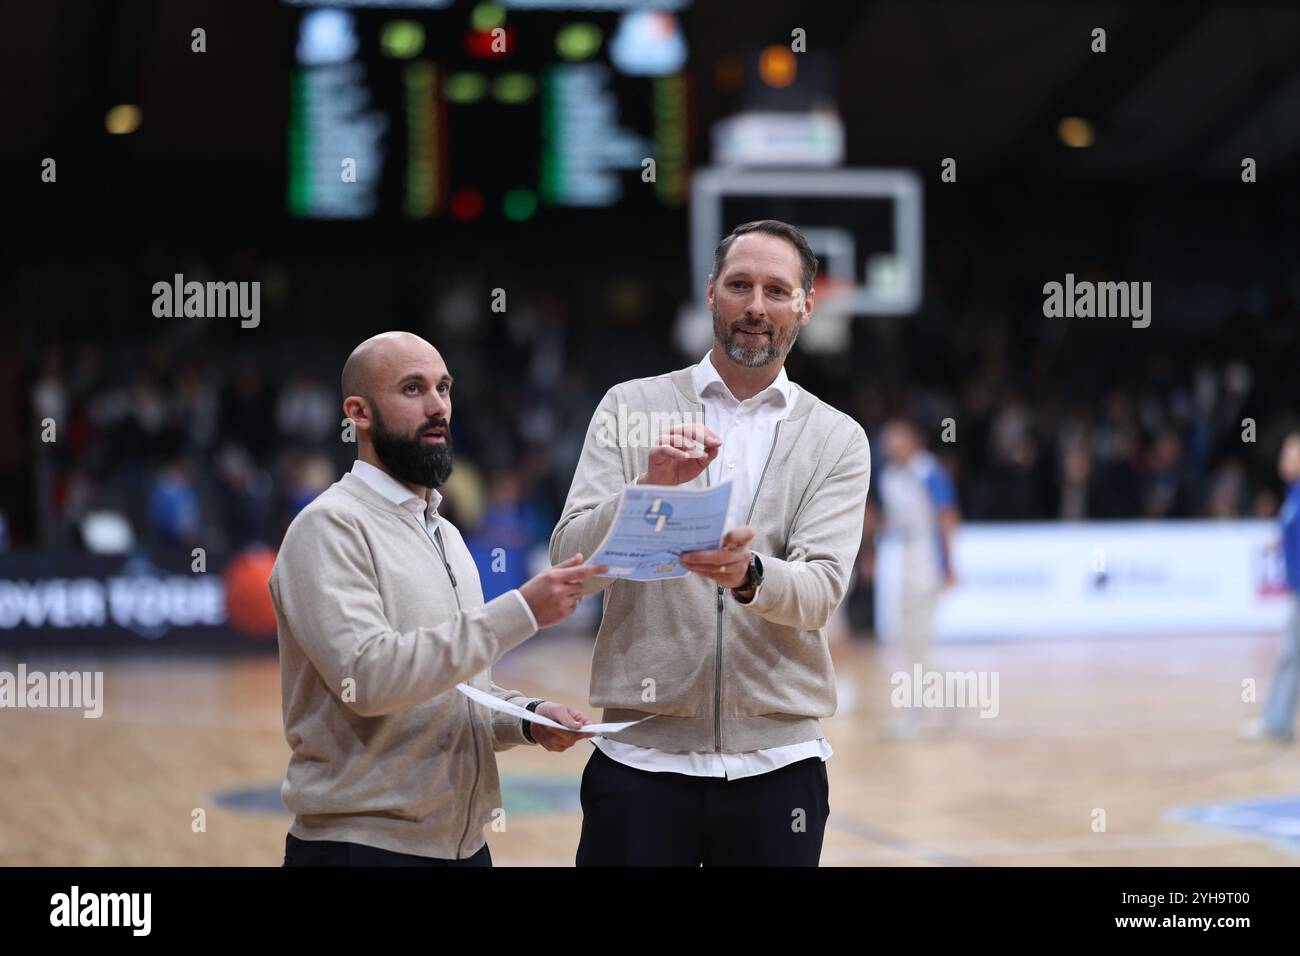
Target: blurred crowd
(176, 446)
(1117, 427)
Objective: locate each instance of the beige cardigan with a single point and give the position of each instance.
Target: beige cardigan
(721, 676)
(374, 636)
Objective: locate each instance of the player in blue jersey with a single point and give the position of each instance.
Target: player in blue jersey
(920, 515)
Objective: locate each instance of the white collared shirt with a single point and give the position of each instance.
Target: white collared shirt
(426, 512)
(747, 430)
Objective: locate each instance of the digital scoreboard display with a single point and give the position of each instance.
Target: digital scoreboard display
(507, 111)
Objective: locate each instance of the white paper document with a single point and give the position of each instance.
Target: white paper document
(656, 523)
(496, 703)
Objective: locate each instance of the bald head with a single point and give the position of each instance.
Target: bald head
(398, 378)
(397, 394)
(379, 354)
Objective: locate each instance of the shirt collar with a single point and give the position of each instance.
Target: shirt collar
(396, 492)
(705, 377)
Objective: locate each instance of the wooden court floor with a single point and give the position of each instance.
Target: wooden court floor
(1140, 729)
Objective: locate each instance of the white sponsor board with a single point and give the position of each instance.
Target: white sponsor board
(1114, 578)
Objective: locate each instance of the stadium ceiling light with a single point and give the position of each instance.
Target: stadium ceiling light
(1075, 132)
(122, 119)
(777, 67)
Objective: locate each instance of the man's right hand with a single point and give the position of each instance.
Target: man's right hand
(680, 454)
(553, 594)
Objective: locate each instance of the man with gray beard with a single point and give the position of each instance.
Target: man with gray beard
(732, 660)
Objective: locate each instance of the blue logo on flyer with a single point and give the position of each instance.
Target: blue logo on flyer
(658, 513)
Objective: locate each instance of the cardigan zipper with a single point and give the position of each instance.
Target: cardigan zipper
(469, 704)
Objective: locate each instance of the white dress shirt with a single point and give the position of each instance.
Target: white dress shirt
(747, 430)
(425, 512)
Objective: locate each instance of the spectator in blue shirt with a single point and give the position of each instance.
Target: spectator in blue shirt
(174, 505)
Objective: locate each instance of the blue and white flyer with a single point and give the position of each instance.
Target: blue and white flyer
(656, 523)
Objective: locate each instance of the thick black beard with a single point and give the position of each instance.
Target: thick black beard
(409, 459)
(775, 351)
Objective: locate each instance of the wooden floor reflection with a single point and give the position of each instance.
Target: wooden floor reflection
(1137, 729)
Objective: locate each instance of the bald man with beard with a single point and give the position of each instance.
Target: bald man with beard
(380, 614)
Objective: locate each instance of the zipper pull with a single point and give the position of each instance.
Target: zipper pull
(442, 553)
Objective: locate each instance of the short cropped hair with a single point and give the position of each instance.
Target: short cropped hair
(782, 230)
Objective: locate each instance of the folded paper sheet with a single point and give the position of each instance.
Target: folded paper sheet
(496, 703)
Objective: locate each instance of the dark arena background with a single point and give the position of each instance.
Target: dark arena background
(537, 187)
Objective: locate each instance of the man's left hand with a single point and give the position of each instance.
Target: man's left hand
(727, 565)
(551, 739)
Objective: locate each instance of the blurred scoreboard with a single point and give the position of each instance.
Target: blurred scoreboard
(508, 111)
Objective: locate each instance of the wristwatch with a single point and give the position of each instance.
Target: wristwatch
(753, 578)
(528, 733)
